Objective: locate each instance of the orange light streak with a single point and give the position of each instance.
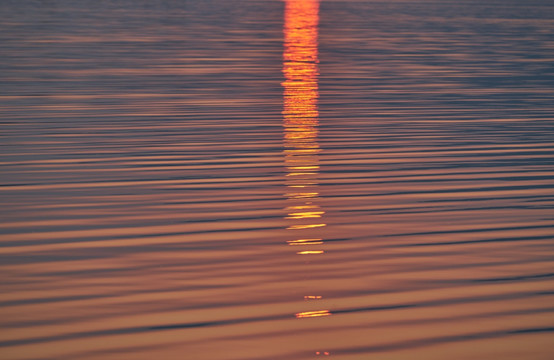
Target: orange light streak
(309, 314)
(302, 207)
(301, 173)
(300, 68)
(311, 252)
(307, 226)
(315, 167)
(300, 122)
(305, 242)
(305, 215)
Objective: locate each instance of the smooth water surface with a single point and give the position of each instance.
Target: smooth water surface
(247, 180)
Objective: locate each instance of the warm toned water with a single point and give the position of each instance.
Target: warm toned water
(245, 180)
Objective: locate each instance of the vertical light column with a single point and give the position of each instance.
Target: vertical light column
(300, 114)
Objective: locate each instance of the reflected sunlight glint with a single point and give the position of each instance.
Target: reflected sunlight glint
(305, 226)
(309, 314)
(300, 115)
(311, 252)
(305, 242)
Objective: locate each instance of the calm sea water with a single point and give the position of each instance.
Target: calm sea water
(248, 180)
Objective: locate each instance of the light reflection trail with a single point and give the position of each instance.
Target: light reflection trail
(310, 252)
(308, 314)
(305, 226)
(300, 111)
(300, 120)
(305, 242)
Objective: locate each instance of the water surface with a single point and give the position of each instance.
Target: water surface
(272, 180)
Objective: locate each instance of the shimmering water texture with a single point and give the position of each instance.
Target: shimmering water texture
(277, 180)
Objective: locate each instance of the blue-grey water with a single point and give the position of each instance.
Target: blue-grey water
(298, 179)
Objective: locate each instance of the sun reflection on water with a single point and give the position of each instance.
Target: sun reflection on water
(301, 122)
(309, 314)
(300, 109)
(305, 242)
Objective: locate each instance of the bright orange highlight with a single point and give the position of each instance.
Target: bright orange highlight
(304, 167)
(305, 215)
(302, 207)
(308, 314)
(310, 252)
(305, 242)
(300, 173)
(301, 90)
(300, 115)
(308, 226)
